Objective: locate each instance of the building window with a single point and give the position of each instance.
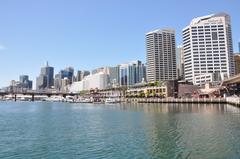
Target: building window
(214, 36)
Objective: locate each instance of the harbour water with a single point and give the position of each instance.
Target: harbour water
(63, 130)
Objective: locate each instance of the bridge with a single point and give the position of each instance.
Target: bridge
(232, 80)
(33, 94)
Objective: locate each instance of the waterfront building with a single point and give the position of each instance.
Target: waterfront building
(94, 81)
(237, 63)
(180, 62)
(132, 73)
(207, 46)
(45, 80)
(166, 89)
(161, 55)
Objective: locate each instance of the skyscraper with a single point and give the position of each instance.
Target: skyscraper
(207, 45)
(25, 82)
(132, 73)
(45, 79)
(180, 62)
(65, 76)
(161, 55)
(82, 74)
(114, 76)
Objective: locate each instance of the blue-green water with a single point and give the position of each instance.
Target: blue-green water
(62, 130)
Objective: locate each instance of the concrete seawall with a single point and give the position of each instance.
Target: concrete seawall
(229, 100)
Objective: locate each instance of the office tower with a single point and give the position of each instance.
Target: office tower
(180, 62)
(45, 79)
(237, 63)
(132, 73)
(65, 76)
(114, 76)
(58, 82)
(68, 73)
(207, 45)
(79, 75)
(23, 78)
(41, 82)
(161, 55)
(82, 74)
(25, 82)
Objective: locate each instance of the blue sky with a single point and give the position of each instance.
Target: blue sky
(87, 34)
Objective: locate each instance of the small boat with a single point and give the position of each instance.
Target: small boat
(111, 100)
(83, 100)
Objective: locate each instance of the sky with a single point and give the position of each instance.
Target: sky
(87, 34)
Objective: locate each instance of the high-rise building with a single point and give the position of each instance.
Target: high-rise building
(82, 74)
(22, 85)
(68, 73)
(25, 82)
(65, 76)
(161, 55)
(207, 45)
(58, 82)
(132, 73)
(23, 78)
(237, 63)
(114, 76)
(180, 62)
(45, 79)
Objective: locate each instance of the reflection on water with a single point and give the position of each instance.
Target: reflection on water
(63, 130)
(177, 108)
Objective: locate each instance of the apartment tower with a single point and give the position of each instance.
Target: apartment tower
(161, 55)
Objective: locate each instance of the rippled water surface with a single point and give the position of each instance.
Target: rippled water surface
(63, 130)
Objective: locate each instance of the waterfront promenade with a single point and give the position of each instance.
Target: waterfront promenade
(233, 100)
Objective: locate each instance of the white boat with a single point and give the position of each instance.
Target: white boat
(84, 100)
(54, 99)
(112, 100)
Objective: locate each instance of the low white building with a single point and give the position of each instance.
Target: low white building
(99, 80)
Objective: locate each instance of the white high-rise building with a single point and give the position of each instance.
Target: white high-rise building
(161, 55)
(208, 51)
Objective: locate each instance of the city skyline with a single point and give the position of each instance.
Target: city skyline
(34, 32)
